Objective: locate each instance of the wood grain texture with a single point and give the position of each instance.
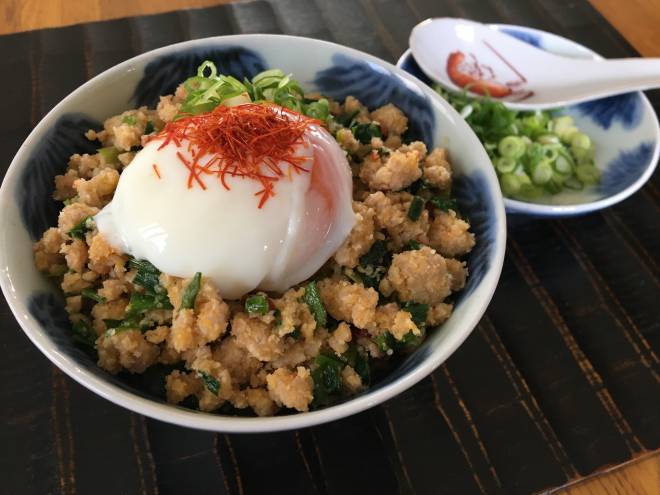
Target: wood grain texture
(563, 387)
(637, 20)
(25, 15)
(637, 477)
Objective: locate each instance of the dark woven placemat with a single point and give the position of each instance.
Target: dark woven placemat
(560, 378)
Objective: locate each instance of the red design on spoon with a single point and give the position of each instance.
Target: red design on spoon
(471, 75)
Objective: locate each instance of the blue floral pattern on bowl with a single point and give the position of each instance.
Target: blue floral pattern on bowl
(473, 196)
(625, 168)
(35, 196)
(375, 87)
(627, 109)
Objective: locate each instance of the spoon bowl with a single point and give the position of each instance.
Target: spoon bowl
(459, 54)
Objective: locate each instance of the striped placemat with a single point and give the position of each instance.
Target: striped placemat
(559, 380)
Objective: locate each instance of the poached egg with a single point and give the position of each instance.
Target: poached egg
(224, 232)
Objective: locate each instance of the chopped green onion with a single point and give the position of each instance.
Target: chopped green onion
(555, 184)
(563, 164)
(412, 245)
(467, 110)
(318, 109)
(373, 265)
(83, 333)
(147, 276)
(113, 327)
(326, 375)
(416, 208)
(580, 140)
(542, 173)
(353, 276)
(418, 312)
(111, 323)
(529, 192)
(550, 152)
(510, 184)
(80, 229)
(384, 342)
(359, 362)
(257, 304)
(505, 164)
(364, 132)
(573, 183)
(444, 204)
(410, 340)
(191, 291)
(210, 382)
(526, 143)
(90, 294)
(149, 128)
(140, 303)
(587, 174)
(109, 154)
(548, 139)
(512, 147)
(129, 119)
(312, 298)
(346, 118)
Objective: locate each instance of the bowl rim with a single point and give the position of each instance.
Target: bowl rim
(514, 206)
(208, 421)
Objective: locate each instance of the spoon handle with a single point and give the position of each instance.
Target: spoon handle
(625, 74)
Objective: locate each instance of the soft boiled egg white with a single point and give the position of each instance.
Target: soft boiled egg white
(222, 233)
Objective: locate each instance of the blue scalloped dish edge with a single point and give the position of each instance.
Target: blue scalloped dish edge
(370, 83)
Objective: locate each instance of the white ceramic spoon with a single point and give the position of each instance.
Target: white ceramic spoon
(458, 53)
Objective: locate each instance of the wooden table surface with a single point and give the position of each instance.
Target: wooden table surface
(637, 21)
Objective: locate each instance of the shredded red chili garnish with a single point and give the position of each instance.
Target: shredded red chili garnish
(253, 141)
(156, 170)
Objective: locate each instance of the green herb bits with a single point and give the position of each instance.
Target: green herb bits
(257, 304)
(534, 153)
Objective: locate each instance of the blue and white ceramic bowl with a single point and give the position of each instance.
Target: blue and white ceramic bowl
(624, 129)
(26, 207)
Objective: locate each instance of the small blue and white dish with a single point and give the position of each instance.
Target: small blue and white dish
(27, 207)
(624, 129)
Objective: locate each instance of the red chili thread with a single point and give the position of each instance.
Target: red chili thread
(156, 170)
(251, 140)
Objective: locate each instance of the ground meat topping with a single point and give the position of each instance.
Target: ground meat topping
(224, 356)
(419, 275)
(291, 388)
(361, 237)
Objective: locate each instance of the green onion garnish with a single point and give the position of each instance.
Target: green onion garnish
(256, 304)
(210, 382)
(80, 229)
(94, 296)
(83, 333)
(444, 204)
(412, 245)
(109, 154)
(416, 207)
(418, 312)
(532, 152)
(364, 132)
(191, 291)
(312, 298)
